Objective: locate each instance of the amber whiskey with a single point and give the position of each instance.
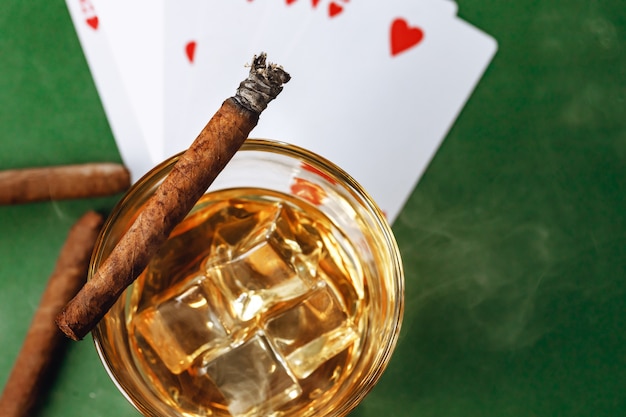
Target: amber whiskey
(254, 306)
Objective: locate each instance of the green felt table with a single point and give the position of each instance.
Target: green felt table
(514, 241)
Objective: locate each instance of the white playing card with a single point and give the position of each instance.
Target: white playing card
(362, 94)
(115, 101)
(134, 29)
(184, 19)
(243, 22)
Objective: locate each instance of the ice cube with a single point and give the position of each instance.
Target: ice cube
(181, 325)
(312, 332)
(236, 222)
(252, 379)
(268, 266)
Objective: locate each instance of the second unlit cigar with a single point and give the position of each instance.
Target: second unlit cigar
(43, 340)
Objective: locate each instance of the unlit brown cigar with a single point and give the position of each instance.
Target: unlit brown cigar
(189, 179)
(95, 179)
(43, 340)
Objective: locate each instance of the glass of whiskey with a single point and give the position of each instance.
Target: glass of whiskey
(280, 294)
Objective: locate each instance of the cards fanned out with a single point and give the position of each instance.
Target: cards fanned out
(376, 85)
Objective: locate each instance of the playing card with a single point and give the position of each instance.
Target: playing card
(184, 19)
(134, 29)
(227, 40)
(219, 43)
(120, 113)
(375, 87)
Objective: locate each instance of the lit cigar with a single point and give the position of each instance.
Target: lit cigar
(189, 179)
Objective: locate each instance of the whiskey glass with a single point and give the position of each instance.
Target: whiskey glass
(300, 319)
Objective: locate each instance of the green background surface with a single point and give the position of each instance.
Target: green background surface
(514, 241)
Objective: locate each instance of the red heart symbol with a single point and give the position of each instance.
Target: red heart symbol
(190, 50)
(93, 22)
(334, 9)
(403, 36)
(315, 2)
(291, 1)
